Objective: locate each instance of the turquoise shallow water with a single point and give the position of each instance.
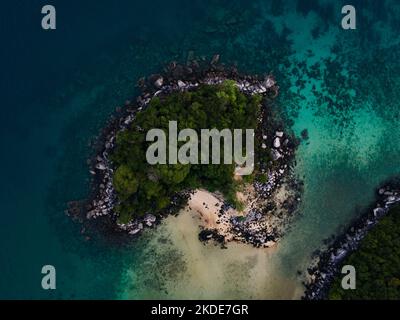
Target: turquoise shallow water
(342, 86)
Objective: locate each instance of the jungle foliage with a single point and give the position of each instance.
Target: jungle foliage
(143, 188)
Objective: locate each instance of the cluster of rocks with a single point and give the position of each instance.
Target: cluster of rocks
(247, 84)
(103, 204)
(178, 77)
(254, 230)
(251, 229)
(326, 266)
(269, 217)
(208, 234)
(135, 226)
(282, 152)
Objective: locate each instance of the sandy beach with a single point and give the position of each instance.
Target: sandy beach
(207, 205)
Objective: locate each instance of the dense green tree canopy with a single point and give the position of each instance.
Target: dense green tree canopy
(142, 187)
(377, 263)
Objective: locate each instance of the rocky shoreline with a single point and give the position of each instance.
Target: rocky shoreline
(267, 218)
(176, 77)
(327, 263)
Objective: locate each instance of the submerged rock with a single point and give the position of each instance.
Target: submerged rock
(269, 82)
(215, 59)
(275, 154)
(304, 134)
(149, 218)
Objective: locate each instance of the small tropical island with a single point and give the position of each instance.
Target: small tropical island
(130, 194)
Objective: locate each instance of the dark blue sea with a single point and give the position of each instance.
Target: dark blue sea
(59, 87)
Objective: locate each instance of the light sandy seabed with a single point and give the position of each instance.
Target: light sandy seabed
(208, 271)
(212, 273)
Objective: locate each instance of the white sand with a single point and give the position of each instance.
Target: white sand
(206, 207)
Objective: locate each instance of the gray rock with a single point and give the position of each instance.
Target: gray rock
(277, 142)
(101, 166)
(91, 214)
(215, 59)
(134, 231)
(269, 82)
(149, 218)
(275, 154)
(181, 84)
(159, 82)
(378, 211)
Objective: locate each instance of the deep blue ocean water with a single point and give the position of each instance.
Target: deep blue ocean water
(59, 87)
